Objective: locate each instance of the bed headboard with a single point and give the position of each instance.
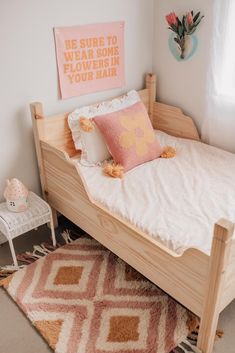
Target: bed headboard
(55, 130)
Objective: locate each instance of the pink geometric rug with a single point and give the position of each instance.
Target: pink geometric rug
(84, 299)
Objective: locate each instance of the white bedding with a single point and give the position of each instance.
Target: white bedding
(176, 201)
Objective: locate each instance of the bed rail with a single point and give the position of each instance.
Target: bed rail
(66, 192)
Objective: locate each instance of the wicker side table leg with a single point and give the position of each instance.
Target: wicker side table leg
(52, 231)
(55, 217)
(13, 252)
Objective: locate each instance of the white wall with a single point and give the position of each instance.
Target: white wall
(182, 83)
(28, 67)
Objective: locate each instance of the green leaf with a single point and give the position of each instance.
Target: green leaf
(196, 17)
(198, 21)
(177, 40)
(174, 27)
(180, 30)
(185, 24)
(173, 30)
(192, 31)
(179, 23)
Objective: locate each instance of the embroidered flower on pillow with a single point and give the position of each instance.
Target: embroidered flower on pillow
(137, 134)
(129, 136)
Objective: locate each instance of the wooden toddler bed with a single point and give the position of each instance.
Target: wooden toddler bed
(204, 284)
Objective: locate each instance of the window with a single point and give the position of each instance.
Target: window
(224, 48)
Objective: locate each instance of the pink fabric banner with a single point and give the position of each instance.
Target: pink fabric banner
(90, 58)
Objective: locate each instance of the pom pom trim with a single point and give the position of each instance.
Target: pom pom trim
(86, 124)
(168, 152)
(113, 170)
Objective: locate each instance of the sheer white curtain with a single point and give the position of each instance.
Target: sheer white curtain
(219, 127)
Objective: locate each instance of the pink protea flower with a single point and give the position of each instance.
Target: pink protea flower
(172, 19)
(189, 17)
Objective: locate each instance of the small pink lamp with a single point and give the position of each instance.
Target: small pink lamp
(16, 195)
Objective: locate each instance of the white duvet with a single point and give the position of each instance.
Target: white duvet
(176, 201)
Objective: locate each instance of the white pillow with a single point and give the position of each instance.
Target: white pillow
(92, 144)
(93, 147)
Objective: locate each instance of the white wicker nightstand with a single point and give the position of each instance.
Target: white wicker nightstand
(14, 224)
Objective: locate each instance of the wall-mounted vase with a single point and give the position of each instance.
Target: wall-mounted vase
(191, 44)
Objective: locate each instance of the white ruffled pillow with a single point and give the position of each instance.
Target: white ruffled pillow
(92, 144)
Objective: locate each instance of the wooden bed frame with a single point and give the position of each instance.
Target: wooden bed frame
(204, 284)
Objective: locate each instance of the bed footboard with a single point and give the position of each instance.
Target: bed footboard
(216, 285)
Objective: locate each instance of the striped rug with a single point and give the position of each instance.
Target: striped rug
(84, 299)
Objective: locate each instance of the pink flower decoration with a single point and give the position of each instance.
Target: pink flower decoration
(189, 18)
(172, 19)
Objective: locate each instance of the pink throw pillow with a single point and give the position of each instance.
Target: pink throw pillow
(129, 136)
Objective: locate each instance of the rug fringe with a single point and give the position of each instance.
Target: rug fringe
(8, 270)
(219, 334)
(43, 249)
(66, 234)
(192, 322)
(38, 252)
(190, 343)
(194, 334)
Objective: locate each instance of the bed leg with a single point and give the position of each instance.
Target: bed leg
(221, 245)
